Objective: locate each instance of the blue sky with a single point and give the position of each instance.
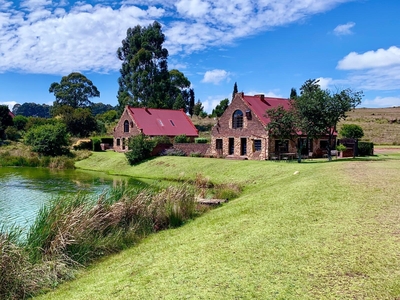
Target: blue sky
(266, 46)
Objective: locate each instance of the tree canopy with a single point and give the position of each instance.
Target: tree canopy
(220, 108)
(145, 80)
(351, 131)
(314, 113)
(74, 90)
(5, 119)
(30, 109)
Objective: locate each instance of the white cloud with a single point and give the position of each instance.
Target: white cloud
(213, 101)
(192, 8)
(10, 104)
(325, 83)
(382, 102)
(344, 29)
(44, 36)
(370, 59)
(216, 76)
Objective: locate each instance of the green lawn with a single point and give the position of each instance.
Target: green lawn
(329, 232)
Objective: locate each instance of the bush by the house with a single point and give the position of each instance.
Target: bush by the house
(50, 140)
(365, 148)
(182, 139)
(96, 144)
(140, 147)
(85, 144)
(201, 141)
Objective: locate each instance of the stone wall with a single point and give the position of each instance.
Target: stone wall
(189, 148)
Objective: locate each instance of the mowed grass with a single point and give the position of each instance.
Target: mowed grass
(330, 232)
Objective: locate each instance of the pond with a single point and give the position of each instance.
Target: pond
(24, 190)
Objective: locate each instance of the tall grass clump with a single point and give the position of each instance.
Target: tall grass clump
(72, 232)
(19, 277)
(78, 230)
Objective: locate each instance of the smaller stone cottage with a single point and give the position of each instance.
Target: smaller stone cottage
(151, 122)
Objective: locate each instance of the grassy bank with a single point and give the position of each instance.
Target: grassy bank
(16, 154)
(329, 232)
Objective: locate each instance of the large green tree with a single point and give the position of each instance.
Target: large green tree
(74, 90)
(314, 113)
(5, 119)
(321, 110)
(145, 80)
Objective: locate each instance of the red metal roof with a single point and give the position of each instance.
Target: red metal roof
(259, 105)
(156, 122)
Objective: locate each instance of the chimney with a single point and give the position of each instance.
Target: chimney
(261, 97)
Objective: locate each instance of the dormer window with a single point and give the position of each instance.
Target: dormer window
(126, 126)
(237, 119)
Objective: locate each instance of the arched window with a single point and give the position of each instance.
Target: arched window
(126, 126)
(237, 119)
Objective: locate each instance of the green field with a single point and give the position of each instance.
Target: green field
(331, 231)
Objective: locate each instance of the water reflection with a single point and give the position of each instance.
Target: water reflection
(24, 190)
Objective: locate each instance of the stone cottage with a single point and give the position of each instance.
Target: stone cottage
(240, 132)
(151, 122)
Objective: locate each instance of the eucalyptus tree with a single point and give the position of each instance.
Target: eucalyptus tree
(144, 77)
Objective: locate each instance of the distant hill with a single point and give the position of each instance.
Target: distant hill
(380, 125)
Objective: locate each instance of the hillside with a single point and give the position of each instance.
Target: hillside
(329, 232)
(380, 125)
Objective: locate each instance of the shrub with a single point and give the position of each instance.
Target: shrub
(365, 148)
(12, 133)
(20, 122)
(163, 139)
(201, 141)
(140, 147)
(96, 144)
(181, 139)
(48, 139)
(351, 131)
(83, 145)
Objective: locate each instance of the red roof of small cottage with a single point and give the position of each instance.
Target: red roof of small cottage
(158, 122)
(11, 114)
(259, 104)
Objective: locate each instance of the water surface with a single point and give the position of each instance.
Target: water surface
(24, 190)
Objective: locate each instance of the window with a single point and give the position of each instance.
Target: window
(231, 146)
(281, 146)
(237, 119)
(323, 145)
(126, 126)
(123, 143)
(118, 142)
(172, 123)
(218, 144)
(257, 145)
(243, 146)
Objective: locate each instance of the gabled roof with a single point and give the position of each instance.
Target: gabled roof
(158, 122)
(259, 104)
